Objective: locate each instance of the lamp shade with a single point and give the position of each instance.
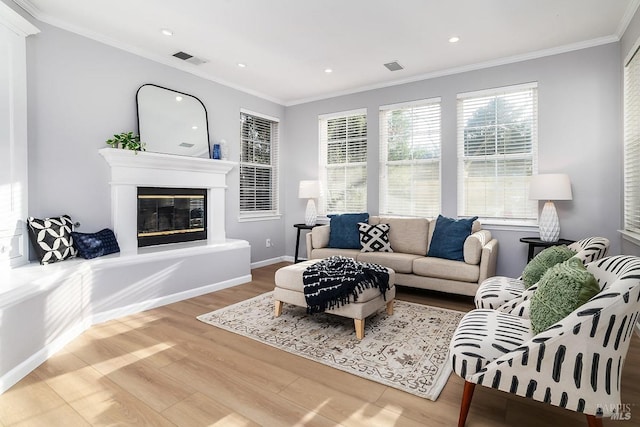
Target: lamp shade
(309, 190)
(552, 186)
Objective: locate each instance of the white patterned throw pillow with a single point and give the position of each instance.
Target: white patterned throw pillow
(374, 238)
(51, 238)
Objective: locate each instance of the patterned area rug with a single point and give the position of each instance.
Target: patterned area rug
(408, 350)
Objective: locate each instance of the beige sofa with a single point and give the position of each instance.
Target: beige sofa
(410, 239)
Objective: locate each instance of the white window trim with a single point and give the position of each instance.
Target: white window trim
(383, 162)
(261, 216)
(322, 155)
(500, 223)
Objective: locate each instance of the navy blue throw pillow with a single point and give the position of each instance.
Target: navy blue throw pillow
(93, 245)
(448, 237)
(344, 232)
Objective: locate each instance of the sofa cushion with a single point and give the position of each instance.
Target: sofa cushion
(473, 246)
(407, 235)
(449, 236)
(562, 289)
(374, 238)
(327, 252)
(399, 262)
(446, 269)
(344, 230)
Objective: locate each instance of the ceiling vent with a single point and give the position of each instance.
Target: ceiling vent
(189, 58)
(393, 66)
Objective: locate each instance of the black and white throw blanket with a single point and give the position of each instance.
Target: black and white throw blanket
(331, 282)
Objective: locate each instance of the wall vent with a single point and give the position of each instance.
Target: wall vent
(190, 58)
(393, 66)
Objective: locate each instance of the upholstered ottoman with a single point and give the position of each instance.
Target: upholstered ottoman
(289, 289)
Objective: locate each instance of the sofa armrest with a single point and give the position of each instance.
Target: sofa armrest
(473, 245)
(488, 260)
(317, 238)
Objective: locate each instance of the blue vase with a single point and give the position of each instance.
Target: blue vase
(216, 152)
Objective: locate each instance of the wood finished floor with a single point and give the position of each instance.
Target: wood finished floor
(163, 367)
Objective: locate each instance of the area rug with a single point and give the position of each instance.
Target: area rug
(408, 350)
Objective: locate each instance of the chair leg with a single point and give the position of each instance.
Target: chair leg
(467, 394)
(390, 308)
(592, 421)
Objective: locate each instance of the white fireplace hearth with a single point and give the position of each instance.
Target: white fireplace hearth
(130, 170)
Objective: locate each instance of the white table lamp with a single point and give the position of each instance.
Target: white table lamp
(556, 186)
(309, 190)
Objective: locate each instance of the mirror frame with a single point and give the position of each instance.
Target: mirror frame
(206, 119)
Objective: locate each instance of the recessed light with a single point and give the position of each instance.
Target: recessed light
(454, 39)
(328, 70)
(194, 127)
(166, 32)
(178, 98)
(242, 65)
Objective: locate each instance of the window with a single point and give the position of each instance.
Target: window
(632, 145)
(343, 162)
(410, 158)
(258, 166)
(497, 153)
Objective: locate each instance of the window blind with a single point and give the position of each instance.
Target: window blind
(343, 162)
(632, 145)
(410, 139)
(258, 165)
(497, 153)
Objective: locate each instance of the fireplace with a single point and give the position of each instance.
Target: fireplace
(171, 215)
(132, 170)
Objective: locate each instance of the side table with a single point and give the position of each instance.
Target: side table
(300, 227)
(535, 242)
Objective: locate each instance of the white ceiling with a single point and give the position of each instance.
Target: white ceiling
(287, 44)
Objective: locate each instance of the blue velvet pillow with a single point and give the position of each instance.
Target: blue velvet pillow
(92, 245)
(448, 237)
(344, 232)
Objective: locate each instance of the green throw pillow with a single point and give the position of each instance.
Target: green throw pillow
(562, 289)
(546, 259)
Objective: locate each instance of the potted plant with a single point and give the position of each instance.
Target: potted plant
(127, 141)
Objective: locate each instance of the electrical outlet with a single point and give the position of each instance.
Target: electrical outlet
(268, 243)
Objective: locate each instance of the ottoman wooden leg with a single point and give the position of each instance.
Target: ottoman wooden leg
(359, 328)
(278, 308)
(390, 308)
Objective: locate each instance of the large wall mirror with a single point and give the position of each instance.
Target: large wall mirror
(172, 122)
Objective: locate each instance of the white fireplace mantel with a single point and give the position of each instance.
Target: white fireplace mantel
(130, 170)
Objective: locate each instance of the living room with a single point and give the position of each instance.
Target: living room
(82, 90)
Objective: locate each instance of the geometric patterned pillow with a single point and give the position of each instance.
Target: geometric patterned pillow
(374, 238)
(51, 238)
(92, 245)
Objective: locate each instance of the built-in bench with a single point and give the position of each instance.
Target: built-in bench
(42, 308)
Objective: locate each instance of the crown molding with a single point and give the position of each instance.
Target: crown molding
(466, 68)
(627, 17)
(15, 22)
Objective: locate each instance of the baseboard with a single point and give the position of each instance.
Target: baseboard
(31, 363)
(28, 365)
(270, 261)
(168, 299)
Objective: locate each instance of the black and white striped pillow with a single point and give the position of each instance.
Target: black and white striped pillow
(374, 238)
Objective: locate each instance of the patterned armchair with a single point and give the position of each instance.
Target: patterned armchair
(496, 291)
(575, 364)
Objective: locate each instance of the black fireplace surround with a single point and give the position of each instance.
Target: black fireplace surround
(171, 215)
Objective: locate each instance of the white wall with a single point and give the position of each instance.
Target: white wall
(579, 134)
(81, 92)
